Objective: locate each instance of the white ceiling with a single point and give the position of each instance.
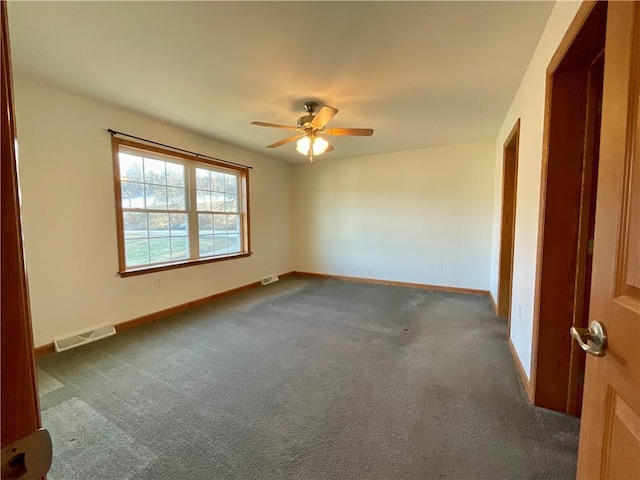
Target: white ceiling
(420, 73)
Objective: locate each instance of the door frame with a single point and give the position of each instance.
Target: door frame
(510, 151)
(553, 315)
(20, 408)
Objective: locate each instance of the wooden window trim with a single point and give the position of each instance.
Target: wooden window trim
(243, 203)
(133, 271)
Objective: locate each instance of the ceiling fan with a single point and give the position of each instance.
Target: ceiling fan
(310, 129)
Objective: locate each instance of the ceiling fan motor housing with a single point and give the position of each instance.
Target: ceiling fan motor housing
(305, 121)
(310, 107)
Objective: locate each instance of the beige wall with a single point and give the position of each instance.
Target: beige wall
(528, 105)
(393, 216)
(389, 216)
(69, 215)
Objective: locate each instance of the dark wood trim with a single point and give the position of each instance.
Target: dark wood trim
(422, 286)
(180, 308)
(43, 350)
(560, 239)
(543, 191)
(185, 306)
(20, 407)
(246, 211)
(182, 264)
(561, 51)
(550, 391)
(567, 40)
(118, 198)
(586, 228)
(523, 376)
(510, 152)
(160, 314)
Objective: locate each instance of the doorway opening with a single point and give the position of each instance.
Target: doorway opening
(569, 184)
(507, 229)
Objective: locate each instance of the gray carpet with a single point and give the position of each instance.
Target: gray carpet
(304, 379)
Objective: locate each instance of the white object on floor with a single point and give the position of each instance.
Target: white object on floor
(85, 336)
(269, 279)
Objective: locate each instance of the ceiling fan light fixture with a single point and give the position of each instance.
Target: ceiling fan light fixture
(319, 145)
(308, 130)
(302, 145)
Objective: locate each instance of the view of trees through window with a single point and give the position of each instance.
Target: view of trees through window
(217, 195)
(175, 211)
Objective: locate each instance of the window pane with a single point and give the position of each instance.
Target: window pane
(136, 252)
(154, 172)
(130, 168)
(159, 250)
(217, 181)
(231, 184)
(160, 200)
(205, 224)
(233, 222)
(220, 224)
(156, 197)
(176, 198)
(204, 200)
(178, 224)
(233, 243)
(135, 225)
(175, 174)
(217, 202)
(220, 244)
(230, 203)
(158, 224)
(203, 181)
(206, 245)
(132, 195)
(179, 248)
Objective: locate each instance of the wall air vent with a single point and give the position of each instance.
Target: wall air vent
(269, 279)
(80, 338)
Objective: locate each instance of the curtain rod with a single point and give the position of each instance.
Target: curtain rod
(113, 132)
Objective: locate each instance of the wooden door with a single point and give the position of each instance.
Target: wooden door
(610, 431)
(20, 413)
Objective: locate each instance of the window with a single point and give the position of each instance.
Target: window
(176, 209)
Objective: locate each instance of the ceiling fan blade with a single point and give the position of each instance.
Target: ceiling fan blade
(274, 125)
(323, 116)
(285, 140)
(329, 149)
(359, 132)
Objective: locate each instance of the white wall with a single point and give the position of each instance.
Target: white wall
(392, 216)
(69, 215)
(389, 216)
(528, 105)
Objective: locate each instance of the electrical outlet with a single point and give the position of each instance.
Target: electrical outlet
(157, 283)
(439, 264)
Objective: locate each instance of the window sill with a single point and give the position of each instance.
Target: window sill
(131, 272)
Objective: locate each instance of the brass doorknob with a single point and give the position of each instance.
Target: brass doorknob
(28, 458)
(596, 334)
